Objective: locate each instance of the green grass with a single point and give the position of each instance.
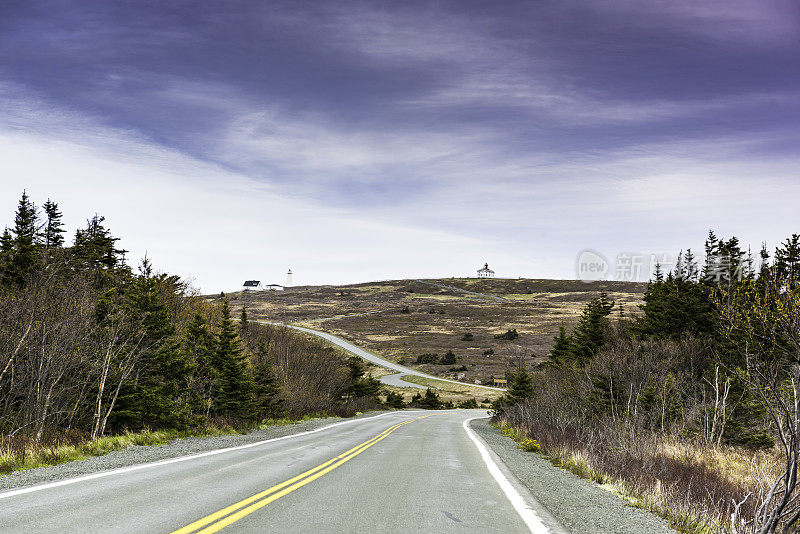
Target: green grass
(40, 456)
(449, 386)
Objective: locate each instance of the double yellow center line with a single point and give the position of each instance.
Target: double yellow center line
(219, 520)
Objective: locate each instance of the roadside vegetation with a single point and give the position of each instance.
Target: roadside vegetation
(689, 408)
(96, 355)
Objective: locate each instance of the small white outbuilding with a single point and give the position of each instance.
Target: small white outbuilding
(252, 285)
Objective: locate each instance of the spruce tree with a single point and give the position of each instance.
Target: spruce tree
(235, 383)
(562, 347)
(520, 386)
(96, 247)
(266, 390)
(24, 244)
(589, 333)
(200, 345)
(52, 231)
(153, 400)
(6, 253)
(787, 259)
(243, 320)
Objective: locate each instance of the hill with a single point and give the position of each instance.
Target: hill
(404, 319)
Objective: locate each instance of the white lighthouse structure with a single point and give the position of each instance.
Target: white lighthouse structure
(289, 278)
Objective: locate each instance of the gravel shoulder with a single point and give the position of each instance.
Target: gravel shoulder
(135, 455)
(580, 506)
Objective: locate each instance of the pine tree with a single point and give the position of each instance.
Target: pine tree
(787, 259)
(520, 386)
(691, 266)
(266, 390)
(6, 253)
(153, 400)
(562, 347)
(96, 247)
(711, 250)
(243, 321)
(235, 384)
(52, 231)
(23, 256)
(589, 333)
(448, 359)
(200, 345)
(658, 275)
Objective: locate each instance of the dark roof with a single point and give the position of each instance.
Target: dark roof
(251, 283)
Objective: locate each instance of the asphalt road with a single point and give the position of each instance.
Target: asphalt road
(410, 471)
(391, 380)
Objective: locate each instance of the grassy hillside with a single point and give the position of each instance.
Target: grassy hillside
(403, 319)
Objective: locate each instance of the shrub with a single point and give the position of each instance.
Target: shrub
(405, 309)
(428, 357)
(394, 400)
(448, 359)
(429, 401)
(467, 337)
(488, 352)
(431, 311)
(469, 404)
(530, 445)
(508, 335)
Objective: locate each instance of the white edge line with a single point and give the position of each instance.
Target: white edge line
(119, 471)
(528, 514)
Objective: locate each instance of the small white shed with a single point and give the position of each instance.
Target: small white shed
(252, 285)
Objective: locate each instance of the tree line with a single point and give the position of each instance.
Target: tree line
(712, 356)
(89, 345)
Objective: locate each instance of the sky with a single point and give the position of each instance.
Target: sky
(358, 141)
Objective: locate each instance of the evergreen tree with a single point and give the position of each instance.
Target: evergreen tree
(764, 267)
(562, 347)
(51, 234)
(589, 333)
(200, 345)
(96, 247)
(691, 266)
(361, 385)
(153, 400)
(710, 267)
(235, 383)
(787, 259)
(266, 390)
(6, 253)
(243, 321)
(658, 276)
(520, 386)
(23, 255)
(448, 359)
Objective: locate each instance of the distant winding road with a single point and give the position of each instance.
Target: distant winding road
(391, 380)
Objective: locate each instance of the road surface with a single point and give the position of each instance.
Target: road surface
(410, 471)
(393, 379)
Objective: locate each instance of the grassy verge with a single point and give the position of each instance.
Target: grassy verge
(660, 498)
(450, 386)
(34, 455)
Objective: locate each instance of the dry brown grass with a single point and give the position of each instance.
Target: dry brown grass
(536, 308)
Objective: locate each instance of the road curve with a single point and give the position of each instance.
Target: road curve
(409, 471)
(393, 379)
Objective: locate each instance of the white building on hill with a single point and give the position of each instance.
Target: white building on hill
(485, 272)
(252, 285)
